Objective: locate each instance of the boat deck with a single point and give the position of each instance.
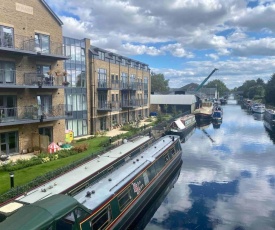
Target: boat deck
(65, 181)
(105, 188)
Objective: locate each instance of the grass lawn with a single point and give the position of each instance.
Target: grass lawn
(25, 175)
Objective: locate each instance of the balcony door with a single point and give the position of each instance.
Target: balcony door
(7, 72)
(45, 104)
(42, 43)
(6, 37)
(8, 143)
(7, 106)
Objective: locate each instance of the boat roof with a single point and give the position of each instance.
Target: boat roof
(41, 213)
(110, 185)
(65, 181)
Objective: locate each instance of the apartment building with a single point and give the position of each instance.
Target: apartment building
(32, 77)
(50, 83)
(119, 90)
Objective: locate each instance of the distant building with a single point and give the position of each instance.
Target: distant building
(170, 103)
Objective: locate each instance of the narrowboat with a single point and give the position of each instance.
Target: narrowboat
(182, 125)
(110, 202)
(269, 119)
(204, 112)
(258, 108)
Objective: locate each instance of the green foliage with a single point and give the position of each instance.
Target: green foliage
(270, 91)
(252, 88)
(221, 87)
(256, 91)
(158, 83)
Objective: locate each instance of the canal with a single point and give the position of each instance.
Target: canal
(227, 180)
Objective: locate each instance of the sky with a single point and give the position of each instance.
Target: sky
(182, 39)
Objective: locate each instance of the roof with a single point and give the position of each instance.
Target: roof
(40, 214)
(51, 11)
(176, 99)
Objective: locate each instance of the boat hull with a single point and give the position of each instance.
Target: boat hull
(182, 133)
(130, 216)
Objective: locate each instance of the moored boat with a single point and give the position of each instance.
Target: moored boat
(269, 119)
(111, 202)
(217, 115)
(258, 108)
(182, 125)
(204, 112)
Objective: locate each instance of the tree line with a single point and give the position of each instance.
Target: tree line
(252, 89)
(257, 89)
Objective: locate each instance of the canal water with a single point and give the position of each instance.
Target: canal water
(227, 180)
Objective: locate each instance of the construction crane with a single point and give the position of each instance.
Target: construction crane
(201, 85)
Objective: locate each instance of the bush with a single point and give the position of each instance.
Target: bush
(80, 148)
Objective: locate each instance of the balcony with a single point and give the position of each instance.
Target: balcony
(108, 106)
(23, 45)
(129, 104)
(115, 85)
(19, 79)
(125, 86)
(36, 80)
(33, 114)
(103, 85)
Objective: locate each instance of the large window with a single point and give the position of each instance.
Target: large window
(42, 43)
(102, 78)
(6, 36)
(47, 131)
(7, 72)
(8, 106)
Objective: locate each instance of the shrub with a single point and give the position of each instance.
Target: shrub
(80, 148)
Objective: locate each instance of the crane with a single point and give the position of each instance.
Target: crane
(201, 85)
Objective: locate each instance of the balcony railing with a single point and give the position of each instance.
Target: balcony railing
(134, 103)
(13, 78)
(103, 85)
(115, 85)
(36, 46)
(128, 86)
(42, 80)
(108, 106)
(32, 114)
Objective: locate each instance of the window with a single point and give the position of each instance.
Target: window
(47, 131)
(101, 55)
(102, 219)
(102, 78)
(6, 36)
(7, 72)
(132, 64)
(124, 199)
(123, 61)
(42, 43)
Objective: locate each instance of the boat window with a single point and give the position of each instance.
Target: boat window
(66, 222)
(80, 214)
(172, 151)
(124, 199)
(166, 157)
(102, 219)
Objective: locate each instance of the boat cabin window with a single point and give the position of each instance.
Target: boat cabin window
(166, 157)
(68, 221)
(124, 199)
(102, 219)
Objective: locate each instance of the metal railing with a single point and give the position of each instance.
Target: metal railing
(103, 85)
(128, 85)
(42, 80)
(14, 114)
(108, 105)
(20, 42)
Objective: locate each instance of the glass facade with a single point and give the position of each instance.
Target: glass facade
(76, 93)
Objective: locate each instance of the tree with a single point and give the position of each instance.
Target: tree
(221, 87)
(270, 91)
(256, 92)
(158, 83)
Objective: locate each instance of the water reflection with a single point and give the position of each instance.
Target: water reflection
(258, 116)
(228, 183)
(155, 203)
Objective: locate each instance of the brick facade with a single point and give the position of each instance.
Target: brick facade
(25, 19)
